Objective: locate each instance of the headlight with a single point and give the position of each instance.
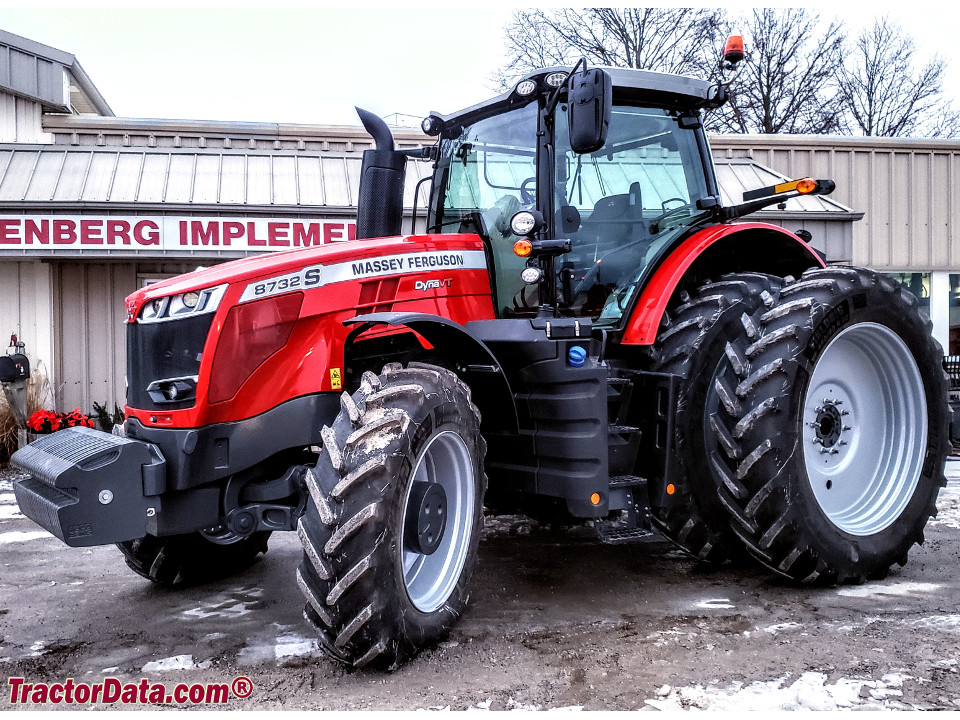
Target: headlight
(194, 302)
(526, 222)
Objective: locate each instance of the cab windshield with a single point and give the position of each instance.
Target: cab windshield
(619, 206)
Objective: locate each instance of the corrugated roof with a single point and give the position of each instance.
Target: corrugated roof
(739, 175)
(141, 176)
(71, 176)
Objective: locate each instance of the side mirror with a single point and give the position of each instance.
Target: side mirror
(589, 106)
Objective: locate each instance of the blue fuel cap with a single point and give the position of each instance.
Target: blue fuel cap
(576, 356)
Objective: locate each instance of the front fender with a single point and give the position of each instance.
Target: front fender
(466, 355)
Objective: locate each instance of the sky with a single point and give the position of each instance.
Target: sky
(314, 65)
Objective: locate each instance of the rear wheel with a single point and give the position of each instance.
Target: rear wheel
(834, 452)
(391, 530)
(690, 344)
(184, 560)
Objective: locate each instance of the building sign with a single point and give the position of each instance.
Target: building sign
(163, 234)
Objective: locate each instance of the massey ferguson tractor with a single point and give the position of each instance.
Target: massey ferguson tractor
(584, 333)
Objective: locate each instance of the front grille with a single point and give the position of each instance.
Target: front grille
(163, 350)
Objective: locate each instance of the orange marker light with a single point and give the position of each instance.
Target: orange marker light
(806, 186)
(595, 498)
(522, 247)
(671, 488)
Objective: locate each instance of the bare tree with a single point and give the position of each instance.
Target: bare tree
(883, 93)
(787, 83)
(664, 39)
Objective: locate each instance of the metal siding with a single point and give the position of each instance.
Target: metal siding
(72, 176)
(233, 179)
(206, 185)
(44, 180)
(908, 190)
(17, 176)
(126, 183)
(310, 180)
(180, 179)
(154, 179)
(285, 180)
(103, 167)
(259, 177)
(335, 181)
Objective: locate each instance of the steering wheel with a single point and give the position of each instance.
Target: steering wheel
(526, 195)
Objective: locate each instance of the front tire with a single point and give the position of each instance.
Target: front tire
(180, 561)
(396, 507)
(835, 446)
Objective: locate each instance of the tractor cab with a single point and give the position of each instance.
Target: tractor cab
(600, 213)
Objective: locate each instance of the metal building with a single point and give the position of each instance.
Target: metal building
(93, 206)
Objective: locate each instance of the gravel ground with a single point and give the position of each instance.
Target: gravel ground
(556, 621)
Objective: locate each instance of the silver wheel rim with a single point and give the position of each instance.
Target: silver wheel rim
(430, 579)
(864, 429)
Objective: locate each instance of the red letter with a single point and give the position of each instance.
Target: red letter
(56, 693)
(332, 231)
(39, 694)
(277, 234)
(97, 687)
(8, 232)
(183, 232)
(351, 231)
(252, 235)
(90, 232)
(180, 693)
(306, 236)
(232, 231)
(210, 236)
(144, 683)
(157, 693)
(64, 232)
(146, 238)
(14, 684)
(83, 693)
(69, 688)
(111, 690)
(129, 694)
(118, 231)
(41, 234)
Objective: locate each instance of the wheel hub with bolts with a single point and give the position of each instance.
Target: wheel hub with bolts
(426, 517)
(830, 426)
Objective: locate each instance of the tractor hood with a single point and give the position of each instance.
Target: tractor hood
(250, 269)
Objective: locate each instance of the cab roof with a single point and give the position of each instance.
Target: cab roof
(628, 84)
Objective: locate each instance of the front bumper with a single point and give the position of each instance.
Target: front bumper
(88, 487)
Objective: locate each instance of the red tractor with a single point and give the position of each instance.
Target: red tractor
(585, 332)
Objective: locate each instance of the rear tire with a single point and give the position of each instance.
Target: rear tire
(690, 344)
(183, 560)
(381, 578)
(835, 455)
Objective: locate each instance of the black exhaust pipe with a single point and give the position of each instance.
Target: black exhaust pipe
(380, 200)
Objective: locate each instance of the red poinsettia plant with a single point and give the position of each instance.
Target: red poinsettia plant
(44, 421)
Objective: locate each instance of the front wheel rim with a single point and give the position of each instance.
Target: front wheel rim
(430, 579)
(864, 429)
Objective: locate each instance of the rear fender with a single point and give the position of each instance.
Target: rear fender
(454, 347)
(710, 253)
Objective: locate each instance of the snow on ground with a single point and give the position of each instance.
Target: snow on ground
(12, 537)
(808, 692)
(177, 662)
(281, 649)
(896, 589)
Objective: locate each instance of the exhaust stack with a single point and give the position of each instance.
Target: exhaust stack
(380, 200)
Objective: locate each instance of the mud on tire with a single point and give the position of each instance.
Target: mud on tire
(184, 560)
(380, 579)
(691, 343)
(835, 432)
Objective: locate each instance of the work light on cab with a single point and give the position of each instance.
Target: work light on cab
(556, 79)
(526, 222)
(527, 87)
